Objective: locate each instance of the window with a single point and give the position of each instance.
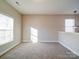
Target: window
(34, 35)
(69, 25)
(6, 29)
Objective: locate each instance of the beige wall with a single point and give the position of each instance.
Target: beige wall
(47, 26)
(9, 11)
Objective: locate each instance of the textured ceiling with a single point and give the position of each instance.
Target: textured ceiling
(45, 6)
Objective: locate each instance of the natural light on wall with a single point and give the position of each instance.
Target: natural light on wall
(34, 35)
(6, 29)
(69, 25)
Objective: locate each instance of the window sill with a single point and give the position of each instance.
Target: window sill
(5, 42)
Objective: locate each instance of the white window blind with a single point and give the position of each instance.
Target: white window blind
(6, 29)
(69, 25)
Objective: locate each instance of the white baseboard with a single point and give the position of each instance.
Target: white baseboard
(48, 41)
(69, 48)
(9, 49)
(25, 41)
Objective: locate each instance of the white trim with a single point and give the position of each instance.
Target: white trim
(68, 48)
(28, 41)
(9, 49)
(48, 41)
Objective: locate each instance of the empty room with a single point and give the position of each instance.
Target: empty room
(39, 29)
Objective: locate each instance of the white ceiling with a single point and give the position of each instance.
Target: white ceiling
(45, 6)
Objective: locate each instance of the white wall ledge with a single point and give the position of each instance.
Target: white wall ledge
(70, 40)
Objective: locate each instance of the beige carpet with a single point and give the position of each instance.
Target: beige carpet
(39, 51)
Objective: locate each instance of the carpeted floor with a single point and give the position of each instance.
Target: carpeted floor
(39, 51)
